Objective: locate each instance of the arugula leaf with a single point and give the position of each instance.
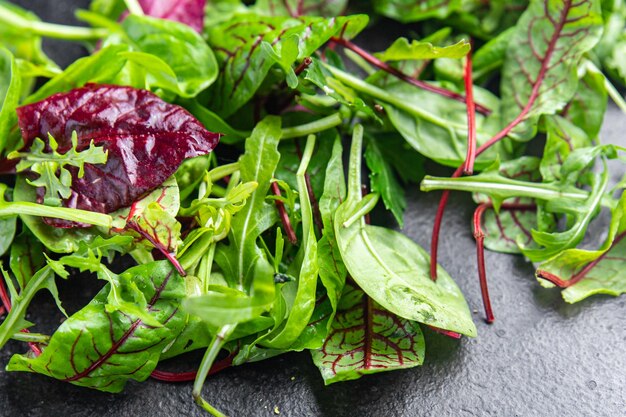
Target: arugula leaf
(539, 76)
(401, 50)
(407, 11)
(391, 268)
(54, 177)
(238, 44)
(365, 338)
(103, 349)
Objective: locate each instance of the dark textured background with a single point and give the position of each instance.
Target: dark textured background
(541, 357)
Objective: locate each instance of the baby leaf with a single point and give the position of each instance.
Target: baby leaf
(391, 268)
(145, 137)
(539, 73)
(365, 339)
(27, 257)
(294, 8)
(103, 349)
(244, 64)
(176, 45)
(414, 10)
(402, 50)
(10, 88)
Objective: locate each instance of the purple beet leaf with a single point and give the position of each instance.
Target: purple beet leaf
(146, 139)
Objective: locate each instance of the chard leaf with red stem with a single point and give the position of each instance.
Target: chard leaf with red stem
(583, 272)
(244, 63)
(539, 74)
(145, 137)
(365, 338)
(102, 349)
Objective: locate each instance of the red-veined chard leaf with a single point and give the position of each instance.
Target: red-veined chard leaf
(365, 338)
(244, 62)
(145, 137)
(587, 272)
(539, 73)
(294, 8)
(103, 349)
(413, 10)
(189, 12)
(390, 267)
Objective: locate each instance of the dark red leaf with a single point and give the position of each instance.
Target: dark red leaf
(189, 12)
(146, 139)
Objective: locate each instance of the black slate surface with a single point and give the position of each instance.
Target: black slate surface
(542, 357)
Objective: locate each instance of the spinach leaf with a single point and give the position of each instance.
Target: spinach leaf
(103, 349)
(391, 268)
(365, 338)
(177, 48)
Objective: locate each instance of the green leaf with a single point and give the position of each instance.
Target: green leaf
(401, 50)
(384, 181)
(103, 349)
(436, 126)
(300, 295)
(293, 8)
(491, 55)
(539, 73)
(7, 232)
(407, 11)
(101, 67)
(588, 106)
(563, 137)
(27, 257)
(176, 45)
(365, 339)
(244, 63)
(587, 272)
(10, 89)
(394, 270)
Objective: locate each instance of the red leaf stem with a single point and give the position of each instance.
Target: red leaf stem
(479, 235)
(445, 332)
(402, 76)
(303, 65)
(218, 366)
(284, 217)
(562, 283)
(471, 117)
(6, 306)
(159, 246)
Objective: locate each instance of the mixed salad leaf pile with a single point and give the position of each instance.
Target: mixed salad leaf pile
(262, 244)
